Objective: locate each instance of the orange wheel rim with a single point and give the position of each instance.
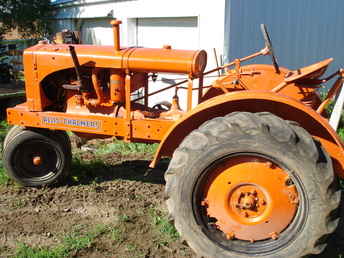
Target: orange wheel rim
(251, 198)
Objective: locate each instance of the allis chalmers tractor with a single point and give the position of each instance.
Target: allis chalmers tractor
(254, 164)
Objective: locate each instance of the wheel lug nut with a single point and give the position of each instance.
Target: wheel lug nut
(273, 235)
(230, 235)
(204, 202)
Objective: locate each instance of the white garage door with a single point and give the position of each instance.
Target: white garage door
(180, 33)
(96, 32)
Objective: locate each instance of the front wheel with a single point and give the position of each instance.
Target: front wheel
(252, 185)
(33, 158)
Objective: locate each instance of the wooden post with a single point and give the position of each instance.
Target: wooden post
(337, 110)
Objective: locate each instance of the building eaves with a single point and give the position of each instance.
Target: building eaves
(57, 2)
(64, 3)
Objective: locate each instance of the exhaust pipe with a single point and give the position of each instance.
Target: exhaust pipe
(115, 27)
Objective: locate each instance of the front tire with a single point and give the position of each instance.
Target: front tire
(14, 131)
(252, 185)
(60, 136)
(33, 158)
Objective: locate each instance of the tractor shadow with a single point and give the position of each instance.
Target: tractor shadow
(98, 171)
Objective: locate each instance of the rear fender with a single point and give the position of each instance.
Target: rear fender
(255, 101)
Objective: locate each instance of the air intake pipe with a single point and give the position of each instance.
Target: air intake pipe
(116, 39)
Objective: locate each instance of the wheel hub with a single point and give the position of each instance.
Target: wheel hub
(250, 198)
(37, 160)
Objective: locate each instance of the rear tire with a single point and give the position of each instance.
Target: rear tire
(203, 177)
(33, 158)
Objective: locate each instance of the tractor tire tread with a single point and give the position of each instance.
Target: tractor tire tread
(267, 125)
(12, 132)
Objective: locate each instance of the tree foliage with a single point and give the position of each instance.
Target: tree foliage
(30, 17)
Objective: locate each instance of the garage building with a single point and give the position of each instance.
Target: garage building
(302, 31)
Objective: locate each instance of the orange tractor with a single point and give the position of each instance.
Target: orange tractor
(254, 164)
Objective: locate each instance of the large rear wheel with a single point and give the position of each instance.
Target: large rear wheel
(252, 185)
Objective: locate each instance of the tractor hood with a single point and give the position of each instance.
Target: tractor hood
(49, 58)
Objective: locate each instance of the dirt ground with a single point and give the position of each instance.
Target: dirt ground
(122, 195)
(117, 198)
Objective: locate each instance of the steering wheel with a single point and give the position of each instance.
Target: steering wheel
(268, 44)
(163, 106)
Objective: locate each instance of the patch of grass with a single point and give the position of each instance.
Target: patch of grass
(3, 177)
(126, 148)
(131, 247)
(4, 127)
(76, 241)
(134, 250)
(18, 203)
(124, 218)
(69, 133)
(73, 242)
(166, 230)
(116, 234)
(83, 170)
(25, 251)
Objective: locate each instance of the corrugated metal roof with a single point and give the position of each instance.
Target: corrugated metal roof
(302, 32)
